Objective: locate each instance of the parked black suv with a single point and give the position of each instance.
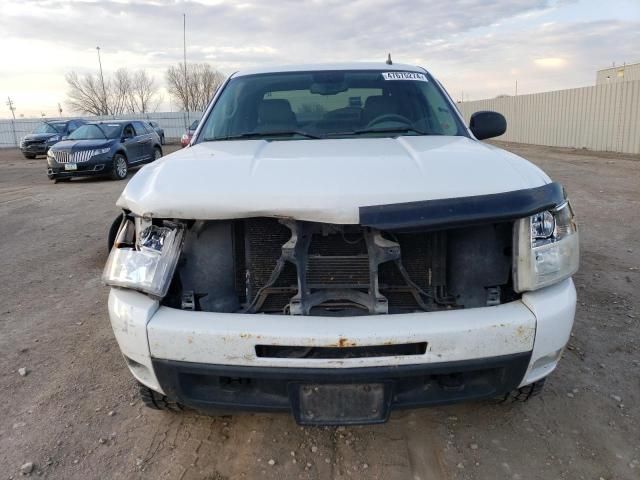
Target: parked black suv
(158, 129)
(103, 148)
(47, 134)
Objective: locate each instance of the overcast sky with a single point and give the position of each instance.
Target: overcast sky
(477, 47)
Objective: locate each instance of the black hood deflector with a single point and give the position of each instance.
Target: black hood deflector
(462, 211)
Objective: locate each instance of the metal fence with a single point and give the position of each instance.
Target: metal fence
(601, 118)
(173, 123)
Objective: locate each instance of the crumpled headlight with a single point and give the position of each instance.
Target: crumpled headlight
(546, 248)
(145, 263)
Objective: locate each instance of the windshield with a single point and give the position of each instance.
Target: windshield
(49, 128)
(334, 104)
(96, 132)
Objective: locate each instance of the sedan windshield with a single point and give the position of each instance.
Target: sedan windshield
(49, 128)
(331, 104)
(96, 132)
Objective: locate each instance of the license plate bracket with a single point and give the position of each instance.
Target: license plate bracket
(70, 166)
(341, 403)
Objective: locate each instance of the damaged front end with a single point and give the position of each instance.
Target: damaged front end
(267, 313)
(405, 260)
(266, 265)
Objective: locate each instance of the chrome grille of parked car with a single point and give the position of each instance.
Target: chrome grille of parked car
(75, 157)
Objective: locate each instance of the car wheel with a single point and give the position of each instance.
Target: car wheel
(523, 394)
(162, 140)
(157, 401)
(157, 153)
(113, 232)
(120, 167)
(29, 156)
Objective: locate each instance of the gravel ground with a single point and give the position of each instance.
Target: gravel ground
(75, 413)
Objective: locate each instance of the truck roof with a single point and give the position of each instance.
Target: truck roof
(331, 66)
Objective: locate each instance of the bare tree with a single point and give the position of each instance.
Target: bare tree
(125, 92)
(120, 93)
(144, 92)
(201, 83)
(85, 94)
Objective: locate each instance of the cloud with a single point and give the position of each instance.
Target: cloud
(469, 44)
(550, 62)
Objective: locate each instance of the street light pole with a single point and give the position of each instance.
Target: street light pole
(184, 53)
(104, 93)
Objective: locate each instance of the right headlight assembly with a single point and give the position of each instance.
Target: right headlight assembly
(144, 261)
(546, 248)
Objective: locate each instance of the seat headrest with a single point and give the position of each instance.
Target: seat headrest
(276, 111)
(379, 105)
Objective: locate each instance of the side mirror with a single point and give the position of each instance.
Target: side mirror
(487, 124)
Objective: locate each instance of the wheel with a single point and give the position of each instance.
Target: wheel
(60, 180)
(113, 232)
(523, 394)
(162, 140)
(157, 153)
(29, 156)
(120, 167)
(157, 401)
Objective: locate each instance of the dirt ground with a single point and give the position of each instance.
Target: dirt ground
(75, 414)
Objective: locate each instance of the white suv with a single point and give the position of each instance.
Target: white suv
(336, 243)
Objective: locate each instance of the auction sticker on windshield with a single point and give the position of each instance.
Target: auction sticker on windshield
(404, 76)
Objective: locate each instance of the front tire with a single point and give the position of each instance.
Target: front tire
(162, 140)
(157, 401)
(120, 167)
(113, 232)
(157, 153)
(523, 394)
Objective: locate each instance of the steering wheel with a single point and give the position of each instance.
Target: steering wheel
(389, 117)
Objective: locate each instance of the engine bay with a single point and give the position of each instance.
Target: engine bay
(283, 266)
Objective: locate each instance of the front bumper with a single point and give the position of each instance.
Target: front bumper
(195, 356)
(98, 165)
(215, 387)
(35, 148)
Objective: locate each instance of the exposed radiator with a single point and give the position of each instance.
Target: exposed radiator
(337, 259)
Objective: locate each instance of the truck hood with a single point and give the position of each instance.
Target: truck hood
(321, 180)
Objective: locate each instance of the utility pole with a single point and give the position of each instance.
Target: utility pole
(184, 62)
(13, 122)
(11, 107)
(59, 109)
(104, 92)
(516, 88)
(184, 52)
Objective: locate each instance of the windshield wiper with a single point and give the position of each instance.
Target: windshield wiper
(103, 133)
(264, 134)
(407, 129)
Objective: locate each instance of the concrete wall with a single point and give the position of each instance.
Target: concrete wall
(174, 124)
(603, 118)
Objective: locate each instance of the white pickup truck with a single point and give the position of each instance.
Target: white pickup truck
(336, 243)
